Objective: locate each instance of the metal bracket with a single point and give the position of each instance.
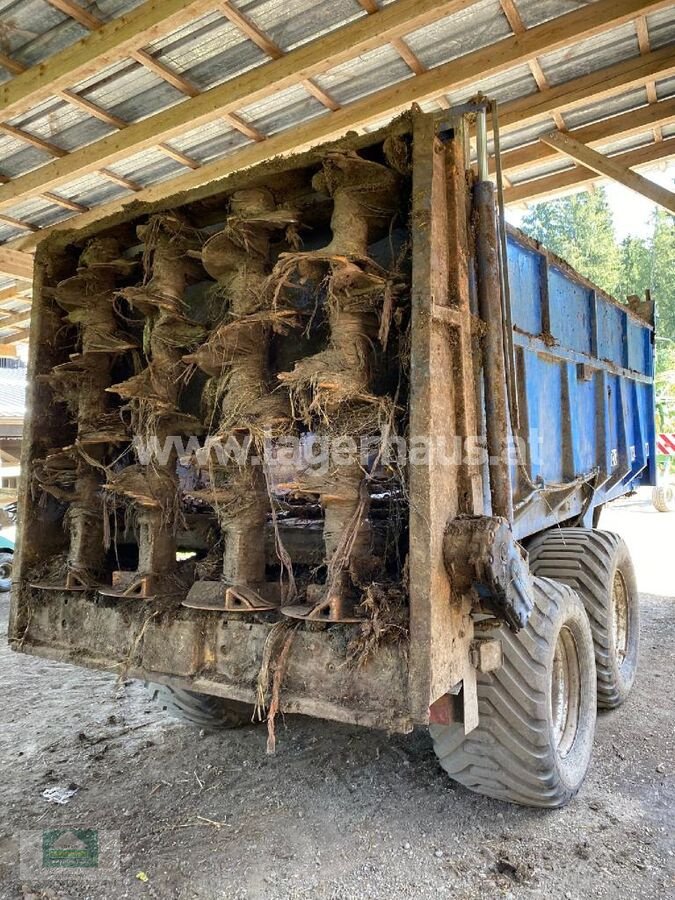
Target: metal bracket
(482, 556)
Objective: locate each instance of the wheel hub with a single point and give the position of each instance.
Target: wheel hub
(565, 693)
(620, 616)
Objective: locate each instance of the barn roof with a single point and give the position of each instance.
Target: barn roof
(116, 100)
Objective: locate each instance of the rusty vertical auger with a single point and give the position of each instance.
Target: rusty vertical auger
(152, 396)
(243, 402)
(331, 390)
(74, 474)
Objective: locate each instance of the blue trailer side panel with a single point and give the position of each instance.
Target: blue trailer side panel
(584, 368)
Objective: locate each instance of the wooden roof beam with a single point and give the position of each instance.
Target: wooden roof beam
(111, 42)
(610, 168)
(17, 318)
(16, 264)
(629, 73)
(115, 39)
(580, 176)
(642, 31)
(13, 295)
(492, 60)
(513, 114)
(21, 335)
(517, 25)
(12, 65)
(627, 124)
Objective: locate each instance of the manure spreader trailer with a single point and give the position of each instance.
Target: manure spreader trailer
(327, 437)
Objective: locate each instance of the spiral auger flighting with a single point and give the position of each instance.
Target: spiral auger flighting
(150, 489)
(332, 391)
(244, 404)
(74, 474)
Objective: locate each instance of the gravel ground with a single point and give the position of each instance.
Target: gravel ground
(339, 812)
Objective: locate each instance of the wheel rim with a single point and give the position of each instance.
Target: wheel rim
(5, 571)
(565, 692)
(620, 617)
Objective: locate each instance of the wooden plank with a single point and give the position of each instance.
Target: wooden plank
(92, 108)
(8, 351)
(21, 335)
(246, 128)
(15, 319)
(624, 125)
(154, 18)
(33, 139)
(181, 83)
(17, 223)
(580, 175)
(64, 202)
(12, 65)
(119, 179)
(610, 168)
(93, 53)
(512, 115)
(14, 293)
(251, 30)
(629, 73)
(76, 12)
(497, 58)
(409, 58)
(182, 158)
(16, 263)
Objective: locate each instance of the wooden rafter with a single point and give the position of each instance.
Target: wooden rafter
(115, 39)
(627, 124)
(121, 180)
(12, 65)
(17, 223)
(17, 318)
(33, 139)
(92, 108)
(488, 61)
(22, 335)
(16, 264)
(64, 202)
(517, 25)
(622, 76)
(642, 32)
(104, 46)
(408, 56)
(76, 12)
(609, 168)
(580, 176)
(515, 113)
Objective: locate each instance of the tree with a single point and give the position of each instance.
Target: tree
(581, 230)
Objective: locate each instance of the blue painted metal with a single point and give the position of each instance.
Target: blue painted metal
(585, 367)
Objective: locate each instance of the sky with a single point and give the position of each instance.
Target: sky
(632, 212)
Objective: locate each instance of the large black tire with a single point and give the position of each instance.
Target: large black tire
(530, 747)
(203, 710)
(598, 566)
(663, 498)
(6, 562)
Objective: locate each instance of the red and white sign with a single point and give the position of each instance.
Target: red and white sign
(665, 444)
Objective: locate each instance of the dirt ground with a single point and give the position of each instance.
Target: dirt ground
(339, 812)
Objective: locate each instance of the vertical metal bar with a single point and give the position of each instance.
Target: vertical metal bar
(481, 144)
(504, 269)
(490, 306)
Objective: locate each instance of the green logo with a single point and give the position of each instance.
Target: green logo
(70, 848)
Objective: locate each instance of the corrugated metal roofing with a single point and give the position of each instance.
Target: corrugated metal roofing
(454, 36)
(291, 23)
(12, 392)
(211, 50)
